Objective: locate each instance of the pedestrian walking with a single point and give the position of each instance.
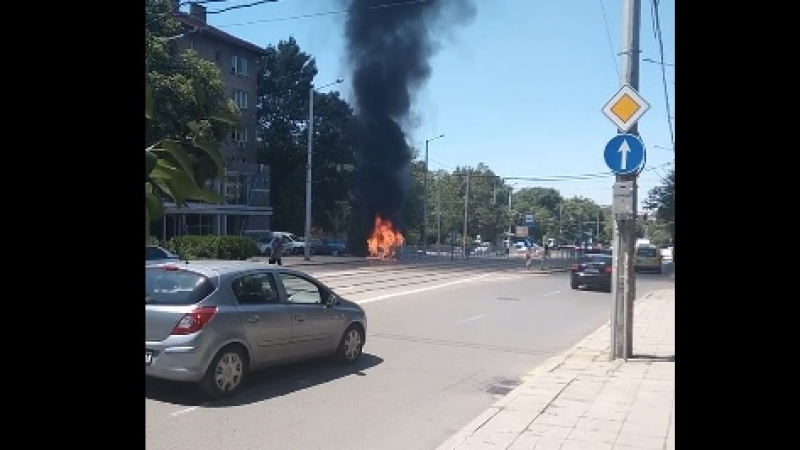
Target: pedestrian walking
(276, 256)
(528, 258)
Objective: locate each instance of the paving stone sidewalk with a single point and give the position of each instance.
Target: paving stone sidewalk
(582, 401)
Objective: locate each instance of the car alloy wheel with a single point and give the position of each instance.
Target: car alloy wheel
(352, 344)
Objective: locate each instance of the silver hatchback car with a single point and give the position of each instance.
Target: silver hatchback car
(211, 322)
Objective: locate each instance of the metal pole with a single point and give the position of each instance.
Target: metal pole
(625, 230)
(466, 215)
(307, 246)
(438, 213)
(425, 203)
(597, 228)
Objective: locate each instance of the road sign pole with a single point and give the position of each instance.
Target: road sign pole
(625, 277)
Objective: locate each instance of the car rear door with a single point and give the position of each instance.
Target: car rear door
(266, 321)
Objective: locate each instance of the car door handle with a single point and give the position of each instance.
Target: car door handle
(253, 319)
(299, 317)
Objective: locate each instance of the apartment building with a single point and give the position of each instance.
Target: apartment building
(246, 183)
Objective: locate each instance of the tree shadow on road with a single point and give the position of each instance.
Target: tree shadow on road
(263, 385)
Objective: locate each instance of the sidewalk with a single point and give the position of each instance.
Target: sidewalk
(581, 401)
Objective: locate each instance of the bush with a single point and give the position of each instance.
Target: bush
(213, 247)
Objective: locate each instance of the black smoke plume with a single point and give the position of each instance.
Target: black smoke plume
(389, 46)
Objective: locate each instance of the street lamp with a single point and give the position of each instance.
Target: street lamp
(425, 197)
(307, 246)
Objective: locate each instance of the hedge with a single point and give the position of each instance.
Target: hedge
(213, 247)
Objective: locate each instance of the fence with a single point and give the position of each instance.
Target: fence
(557, 259)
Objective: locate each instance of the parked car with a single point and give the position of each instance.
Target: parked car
(592, 271)
(154, 254)
(324, 246)
(213, 322)
(295, 245)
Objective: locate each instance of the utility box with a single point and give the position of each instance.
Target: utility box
(623, 201)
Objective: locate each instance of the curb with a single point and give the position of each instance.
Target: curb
(548, 365)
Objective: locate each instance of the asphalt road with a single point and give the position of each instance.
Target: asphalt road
(443, 343)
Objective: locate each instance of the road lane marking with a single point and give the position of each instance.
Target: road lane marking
(471, 319)
(184, 411)
(422, 289)
(551, 293)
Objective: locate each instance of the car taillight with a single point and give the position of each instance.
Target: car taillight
(194, 321)
(608, 270)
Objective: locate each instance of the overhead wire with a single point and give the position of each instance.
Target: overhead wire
(610, 41)
(321, 14)
(654, 4)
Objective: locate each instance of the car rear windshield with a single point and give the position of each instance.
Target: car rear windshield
(175, 287)
(597, 258)
(647, 252)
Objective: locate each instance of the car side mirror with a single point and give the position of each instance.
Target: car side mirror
(333, 299)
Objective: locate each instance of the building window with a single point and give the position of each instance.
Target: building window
(238, 65)
(240, 98)
(240, 136)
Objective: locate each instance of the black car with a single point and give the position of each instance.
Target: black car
(592, 271)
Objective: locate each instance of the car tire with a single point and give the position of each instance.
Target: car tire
(226, 373)
(573, 283)
(351, 345)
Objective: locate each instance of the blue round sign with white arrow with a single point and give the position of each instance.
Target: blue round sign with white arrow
(624, 154)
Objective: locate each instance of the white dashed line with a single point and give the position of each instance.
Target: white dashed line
(471, 319)
(551, 293)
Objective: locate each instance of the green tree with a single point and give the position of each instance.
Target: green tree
(579, 219)
(189, 90)
(544, 204)
(285, 76)
(187, 116)
(662, 200)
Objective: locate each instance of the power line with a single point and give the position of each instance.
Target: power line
(610, 42)
(320, 14)
(657, 32)
(246, 5)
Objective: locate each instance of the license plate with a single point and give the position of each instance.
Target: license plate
(148, 358)
(592, 271)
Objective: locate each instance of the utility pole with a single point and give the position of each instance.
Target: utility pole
(425, 198)
(466, 214)
(624, 277)
(558, 236)
(597, 228)
(438, 213)
(307, 231)
(307, 246)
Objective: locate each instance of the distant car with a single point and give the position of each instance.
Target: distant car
(212, 322)
(327, 247)
(155, 254)
(592, 271)
(648, 259)
(666, 254)
(294, 245)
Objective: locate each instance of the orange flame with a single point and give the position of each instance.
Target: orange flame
(384, 240)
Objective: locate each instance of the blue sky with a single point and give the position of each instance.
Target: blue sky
(520, 88)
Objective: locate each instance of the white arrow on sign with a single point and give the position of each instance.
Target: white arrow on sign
(624, 149)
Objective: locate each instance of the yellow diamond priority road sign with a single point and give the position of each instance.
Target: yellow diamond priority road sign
(625, 108)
